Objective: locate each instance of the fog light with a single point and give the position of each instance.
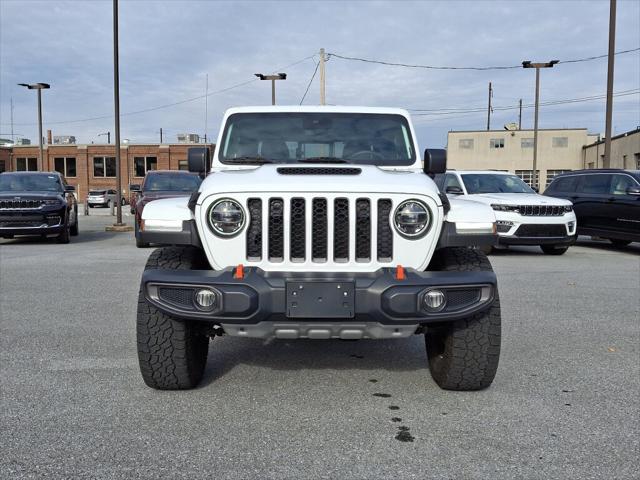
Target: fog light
(206, 299)
(434, 300)
(571, 225)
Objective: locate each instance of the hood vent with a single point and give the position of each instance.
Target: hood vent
(319, 171)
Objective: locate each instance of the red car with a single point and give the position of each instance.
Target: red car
(162, 184)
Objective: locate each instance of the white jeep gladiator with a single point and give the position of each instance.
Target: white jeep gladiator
(319, 223)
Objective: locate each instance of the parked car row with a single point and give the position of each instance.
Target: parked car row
(103, 198)
(603, 203)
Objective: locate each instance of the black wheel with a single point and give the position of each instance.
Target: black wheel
(172, 354)
(136, 232)
(619, 243)
(553, 249)
(464, 355)
(75, 228)
(90, 206)
(64, 235)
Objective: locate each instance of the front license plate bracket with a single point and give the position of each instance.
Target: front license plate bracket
(320, 300)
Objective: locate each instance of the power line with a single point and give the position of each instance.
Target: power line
(444, 111)
(494, 67)
(310, 82)
(167, 105)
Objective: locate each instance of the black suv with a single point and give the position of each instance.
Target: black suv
(37, 203)
(606, 202)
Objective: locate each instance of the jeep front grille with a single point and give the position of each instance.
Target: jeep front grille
(20, 204)
(356, 232)
(540, 210)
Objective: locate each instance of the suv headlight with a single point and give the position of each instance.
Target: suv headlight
(52, 201)
(568, 208)
(412, 218)
(226, 217)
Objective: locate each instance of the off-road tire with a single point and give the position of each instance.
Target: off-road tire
(553, 249)
(464, 355)
(619, 243)
(136, 232)
(75, 228)
(172, 354)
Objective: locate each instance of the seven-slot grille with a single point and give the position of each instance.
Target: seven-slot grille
(317, 228)
(541, 230)
(541, 210)
(20, 204)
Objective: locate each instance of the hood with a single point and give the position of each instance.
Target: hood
(30, 195)
(149, 196)
(319, 178)
(516, 199)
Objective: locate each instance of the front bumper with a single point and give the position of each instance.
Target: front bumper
(34, 222)
(515, 240)
(373, 298)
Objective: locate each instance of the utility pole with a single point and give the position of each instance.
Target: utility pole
(13, 140)
(160, 134)
(609, 114)
(322, 78)
(520, 115)
(537, 66)
(39, 87)
(489, 108)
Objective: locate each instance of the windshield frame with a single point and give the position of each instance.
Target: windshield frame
(413, 160)
(57, 180)
(527, 189)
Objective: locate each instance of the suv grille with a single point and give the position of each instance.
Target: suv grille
(314, 224)
(20, 204)
(533, 230)
(319, 171)
(541, 210)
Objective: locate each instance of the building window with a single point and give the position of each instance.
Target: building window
(526, 143)
(560, 142)
(65, 165)
(104, 166)
(183, 165)
(591, 165)
(3, 167)
(465, 144)
(551, 174)
(637, 157)
(143, 164)
(527, 176)
(26, 164)
(496, 143)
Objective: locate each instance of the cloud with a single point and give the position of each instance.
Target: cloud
(167, 48)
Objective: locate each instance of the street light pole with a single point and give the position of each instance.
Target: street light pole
(537, 66)
(273, 78)
(116, 102)
(108, 134)
(39, 87)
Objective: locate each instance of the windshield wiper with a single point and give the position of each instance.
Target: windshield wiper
(322, 160)
(248, 160)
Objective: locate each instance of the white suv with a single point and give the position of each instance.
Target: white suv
(318, 222)
(522, 216)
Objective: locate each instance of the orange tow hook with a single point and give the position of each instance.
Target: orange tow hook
(239, 273)
(400, 275)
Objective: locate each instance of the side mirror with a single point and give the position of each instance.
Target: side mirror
(199, 161)
(454, 190)
(134, 188)
(435, 161)
(633, 191)
(69, 188)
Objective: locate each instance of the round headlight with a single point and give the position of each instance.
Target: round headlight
(412, 218)
(226, 217)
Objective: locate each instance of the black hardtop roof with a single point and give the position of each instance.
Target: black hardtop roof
(31, 173)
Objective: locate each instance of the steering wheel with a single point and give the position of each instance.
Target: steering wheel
(372, 154)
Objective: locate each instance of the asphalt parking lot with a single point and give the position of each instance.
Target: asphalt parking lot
(565, 402)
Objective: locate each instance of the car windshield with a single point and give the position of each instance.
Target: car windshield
(97, 192)
(30, 182)
(172, 183)
(494, 183)
(289, 137)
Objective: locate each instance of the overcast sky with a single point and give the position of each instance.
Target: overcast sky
(168, 47)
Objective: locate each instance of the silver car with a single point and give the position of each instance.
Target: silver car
(102, 198)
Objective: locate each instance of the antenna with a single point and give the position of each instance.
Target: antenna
(206, 108)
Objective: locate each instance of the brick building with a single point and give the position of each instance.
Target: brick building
(94, 166)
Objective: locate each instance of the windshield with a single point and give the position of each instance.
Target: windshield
(29, 182)
(97, 192)
(171, 183)
(373, 139)
(489, 183)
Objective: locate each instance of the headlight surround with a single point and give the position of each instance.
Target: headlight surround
(412, 218)
(226, 217)
(568, 208)
(52, 201)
